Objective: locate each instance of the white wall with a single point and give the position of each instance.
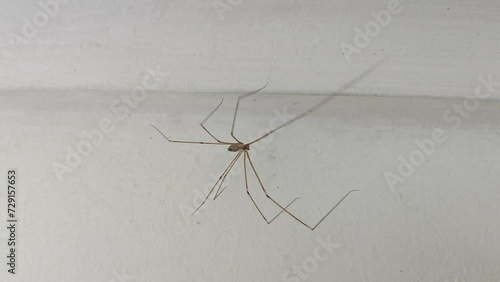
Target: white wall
(437, 48)
(121, 212)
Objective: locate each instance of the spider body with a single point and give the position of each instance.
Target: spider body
(236, 147)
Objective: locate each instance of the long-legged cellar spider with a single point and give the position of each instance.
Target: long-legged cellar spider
(242, 148)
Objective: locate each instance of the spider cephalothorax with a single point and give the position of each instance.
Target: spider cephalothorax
(238, 146)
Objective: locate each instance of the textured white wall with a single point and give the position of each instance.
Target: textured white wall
(437, 48)
(124, 208)
(121, 212)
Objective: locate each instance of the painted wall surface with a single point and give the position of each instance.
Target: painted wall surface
(437, 48)
(102, 196)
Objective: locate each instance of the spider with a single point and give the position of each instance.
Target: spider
(242, 148)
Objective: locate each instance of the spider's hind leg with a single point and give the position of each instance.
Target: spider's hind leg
(255, 203)
(283, 208)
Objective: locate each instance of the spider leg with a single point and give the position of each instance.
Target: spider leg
(215, 185)
(203, 122)
(225, 174)
(284, 209)
(253, 92)
(238, 105)
(328, 98)
(253, 201)
(190, 142)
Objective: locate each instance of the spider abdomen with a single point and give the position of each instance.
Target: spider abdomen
(238, 146)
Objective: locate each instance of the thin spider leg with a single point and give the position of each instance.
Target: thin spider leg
(284, 209)
(329, 97)
(203, 122)
(217, 195)
(253, 201)
(215, 185)
(279, 205)
(238, 105)
(253, 92)
(225, 174)
(189, 142)
(219, 191)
